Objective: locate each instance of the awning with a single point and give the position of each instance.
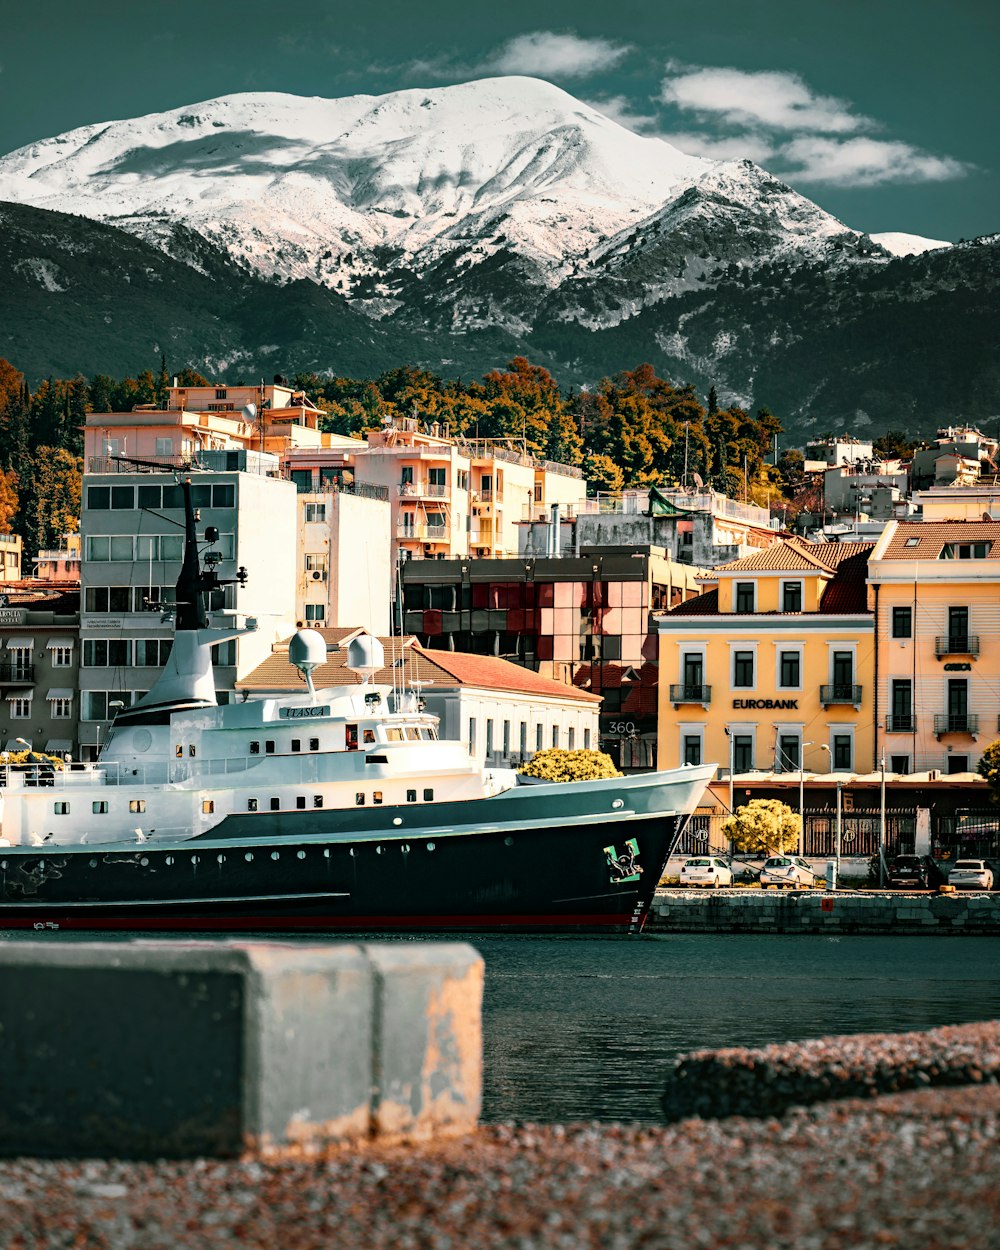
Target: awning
(12, 744)
(23, 695)
(59, 744)
(20, 642)
(58, 642)
(60, 692)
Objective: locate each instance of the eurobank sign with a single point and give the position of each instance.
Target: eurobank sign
(787, 705)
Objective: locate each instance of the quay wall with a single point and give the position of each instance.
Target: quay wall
(814, 911)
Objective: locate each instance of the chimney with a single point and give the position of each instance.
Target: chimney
(555, 536)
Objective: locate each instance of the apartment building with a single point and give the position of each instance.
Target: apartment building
(344, 571)
(581, 620)
(700, 528)
(39, 660)
(10, 558)
(771, 668)
(133, 539)
(935, 593)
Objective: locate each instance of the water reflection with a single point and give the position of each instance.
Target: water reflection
(585, 1028)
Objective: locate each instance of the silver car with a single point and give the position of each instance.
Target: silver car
(971, 874)
(787, 872)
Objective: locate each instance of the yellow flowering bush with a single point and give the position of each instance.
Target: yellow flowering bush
(558, 765)
(763, 827)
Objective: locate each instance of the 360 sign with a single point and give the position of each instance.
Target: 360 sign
(622, 727)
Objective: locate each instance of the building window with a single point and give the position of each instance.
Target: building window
(62, 657)
(843, 751)
(899, 764)
(958, 763)
(691, 749)
(790, 670)
(958, 629)
(789, 753)
(61, 708)
(902, 622)
(315, 611)
(745, 596)
(743, 669)
(506, 737)
(152, 652)
(586, 739)
(965, 551)
(539, 739)
(107, 652)
(742, 753)
(489, 737)
(791, 597)
(164, 446)
(472, 735)
(523, 743)
(570, 739)
(315, 511)
(20, 707)
(555, 735)
(317, 564)
(901, 698)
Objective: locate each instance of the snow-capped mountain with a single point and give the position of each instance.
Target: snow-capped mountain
(346, 191)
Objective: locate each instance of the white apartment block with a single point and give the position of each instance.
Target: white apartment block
(344, 564)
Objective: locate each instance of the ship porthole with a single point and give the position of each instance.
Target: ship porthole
(618, 803)
(249, 857)
(144, 862)
(397, 820)
(405, 848)
(301, 854)
(3, 863)
(430, 846)
(508, 841)
(379, 850)
(326, 853)
(220, 859)
(351, 852)
(276, 855)
(168, 860)
(194, 859)
(93, 863)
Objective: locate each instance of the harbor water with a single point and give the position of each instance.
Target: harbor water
(582, 1028)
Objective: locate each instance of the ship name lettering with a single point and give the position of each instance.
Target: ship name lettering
(303, 713)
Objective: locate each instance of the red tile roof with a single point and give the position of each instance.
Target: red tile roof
(931, 536)
(410, 663)
(794, 554)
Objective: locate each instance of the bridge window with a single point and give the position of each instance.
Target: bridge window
(251, 805)
(359, 799)
(428, 796)
(100, 808)
(296, 744)
(137, 805)
(314, 744)
(411, 796)
(61, 809)
(208, 806)
(269, 748)
(317, 800)
(276, 805)
(255, 748)
(376, 796)
(300, 802)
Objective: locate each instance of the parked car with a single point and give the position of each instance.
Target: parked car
(913, 872)
(789, 871)
(971, 874)
(706, 870)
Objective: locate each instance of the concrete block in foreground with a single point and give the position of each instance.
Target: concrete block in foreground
(428, 1038)
(176, 1049)
(713, 1084)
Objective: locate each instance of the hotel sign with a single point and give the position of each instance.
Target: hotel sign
(13, 616)
(783, 705)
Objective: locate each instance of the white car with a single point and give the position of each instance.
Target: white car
(787, 871)
(706, 870)
(974, 874)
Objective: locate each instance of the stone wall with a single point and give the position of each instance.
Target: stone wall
(813, 911)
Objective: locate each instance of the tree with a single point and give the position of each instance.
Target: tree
(52, 493)
(554, 764)
(602, 473)
(9, 501)
(763, 827)
(989, 767)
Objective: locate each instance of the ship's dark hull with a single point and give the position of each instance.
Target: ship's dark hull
(598, 876)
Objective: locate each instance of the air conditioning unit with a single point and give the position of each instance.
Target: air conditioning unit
(318, 575)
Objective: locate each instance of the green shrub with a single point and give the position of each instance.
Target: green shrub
(557, 765)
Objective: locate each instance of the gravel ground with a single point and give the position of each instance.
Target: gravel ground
(769, 1080)
(918, 1171)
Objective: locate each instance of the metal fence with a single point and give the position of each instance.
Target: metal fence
(966, 834)
(859, 832)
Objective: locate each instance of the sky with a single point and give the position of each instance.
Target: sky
(884, 112)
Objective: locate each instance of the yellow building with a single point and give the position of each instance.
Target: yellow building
(771, 667)
(934, 590)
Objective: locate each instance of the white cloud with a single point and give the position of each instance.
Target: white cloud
(864, 162)
(620, 110)
(544, 53)
(737, 147)
(771, 98)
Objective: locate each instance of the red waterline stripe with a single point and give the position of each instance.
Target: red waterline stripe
(278, 923)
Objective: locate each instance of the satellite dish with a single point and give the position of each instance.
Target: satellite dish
(698, 481)
(250, 413)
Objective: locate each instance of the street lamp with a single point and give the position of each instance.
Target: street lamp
(802, 792)
(823, 747)
(881, 824)
(729, 735)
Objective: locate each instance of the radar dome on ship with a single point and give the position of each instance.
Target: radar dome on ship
(307, 649)
(365, 654)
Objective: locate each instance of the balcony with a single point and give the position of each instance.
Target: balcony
(422, 490)
(17, 674)
(956, 644)
(423, 533)
(956, 723)
(689, 693)
(903, 723)
(840, 692)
